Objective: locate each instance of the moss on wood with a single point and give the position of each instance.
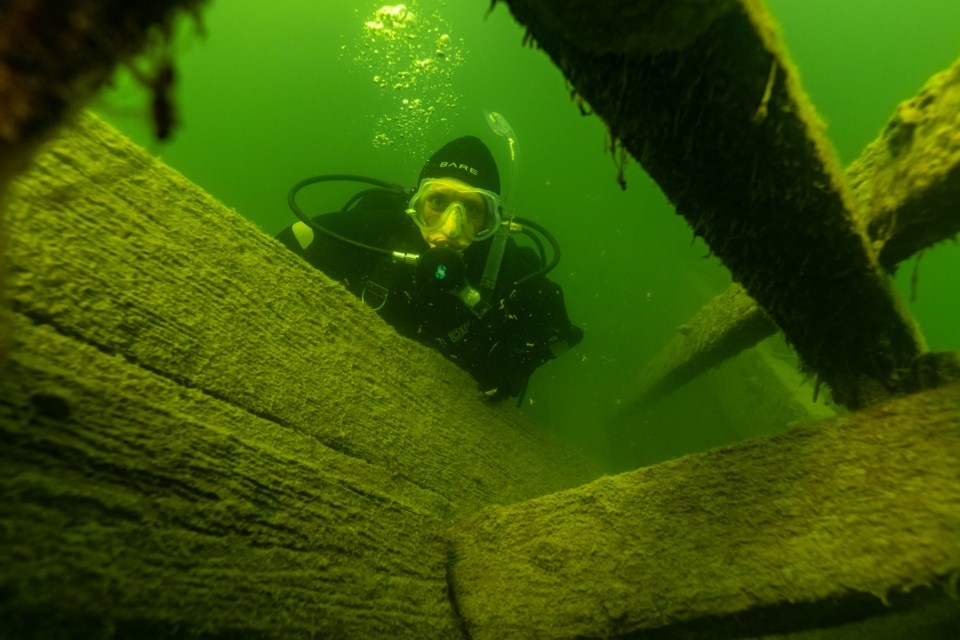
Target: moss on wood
(907, 183)
(726, 131)
(115, 248)
(821, 526)
(134, 506)
(204, 434)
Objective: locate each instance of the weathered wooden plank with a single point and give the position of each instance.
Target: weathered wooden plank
(724, 128)
(54, 55)
(727, 325)
(134, 506)
(822, 525)
(203, 433)
(115, 248)
(908, 180)
(907, 183)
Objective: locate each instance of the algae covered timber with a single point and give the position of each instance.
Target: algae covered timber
(816, 528)
(178, 463)
(717, 117)
(906, 183)
(203, 432)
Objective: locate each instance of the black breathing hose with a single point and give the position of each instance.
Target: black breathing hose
(304, 218)
(553, 243)
(535, 239)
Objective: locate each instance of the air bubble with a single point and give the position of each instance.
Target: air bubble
(405, 49)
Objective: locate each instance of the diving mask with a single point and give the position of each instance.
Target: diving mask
(455, 208)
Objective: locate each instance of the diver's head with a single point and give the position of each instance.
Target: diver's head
(458, 199)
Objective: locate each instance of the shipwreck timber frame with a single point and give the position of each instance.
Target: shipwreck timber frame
(907, 183)
(176, 462)
(684, 548)
(724, 128)
(202, 431)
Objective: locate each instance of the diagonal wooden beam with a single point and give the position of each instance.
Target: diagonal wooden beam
(728, 324)
(822, 526)
(54, 56)
(201, 434)
(148, 265)
(908, 186)
(724, 128)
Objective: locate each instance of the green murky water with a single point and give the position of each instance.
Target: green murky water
(276, 92)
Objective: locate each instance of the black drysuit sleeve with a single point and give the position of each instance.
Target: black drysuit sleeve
(531, 326)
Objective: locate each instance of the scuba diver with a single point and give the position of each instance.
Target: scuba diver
(437, 263)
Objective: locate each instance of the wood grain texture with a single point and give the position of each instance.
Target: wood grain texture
(907, 183)
(724, 128)
(132, 505)
(205, 436)
(116, 249)
(820, 526)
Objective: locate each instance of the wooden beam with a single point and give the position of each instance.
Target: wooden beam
(907, 183)
(119, 250)
(203, 434)
(908, 180)
(135, 506)
(820, 526)
(724, 128)
(727, 325)
(642, 27)
(54, 56)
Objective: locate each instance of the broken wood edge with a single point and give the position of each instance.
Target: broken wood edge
(907, 181)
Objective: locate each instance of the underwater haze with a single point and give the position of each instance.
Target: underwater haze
(271, 93)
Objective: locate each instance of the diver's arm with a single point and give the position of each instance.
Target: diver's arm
(530, 330)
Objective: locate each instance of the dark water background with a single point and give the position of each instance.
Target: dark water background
(276, 92)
